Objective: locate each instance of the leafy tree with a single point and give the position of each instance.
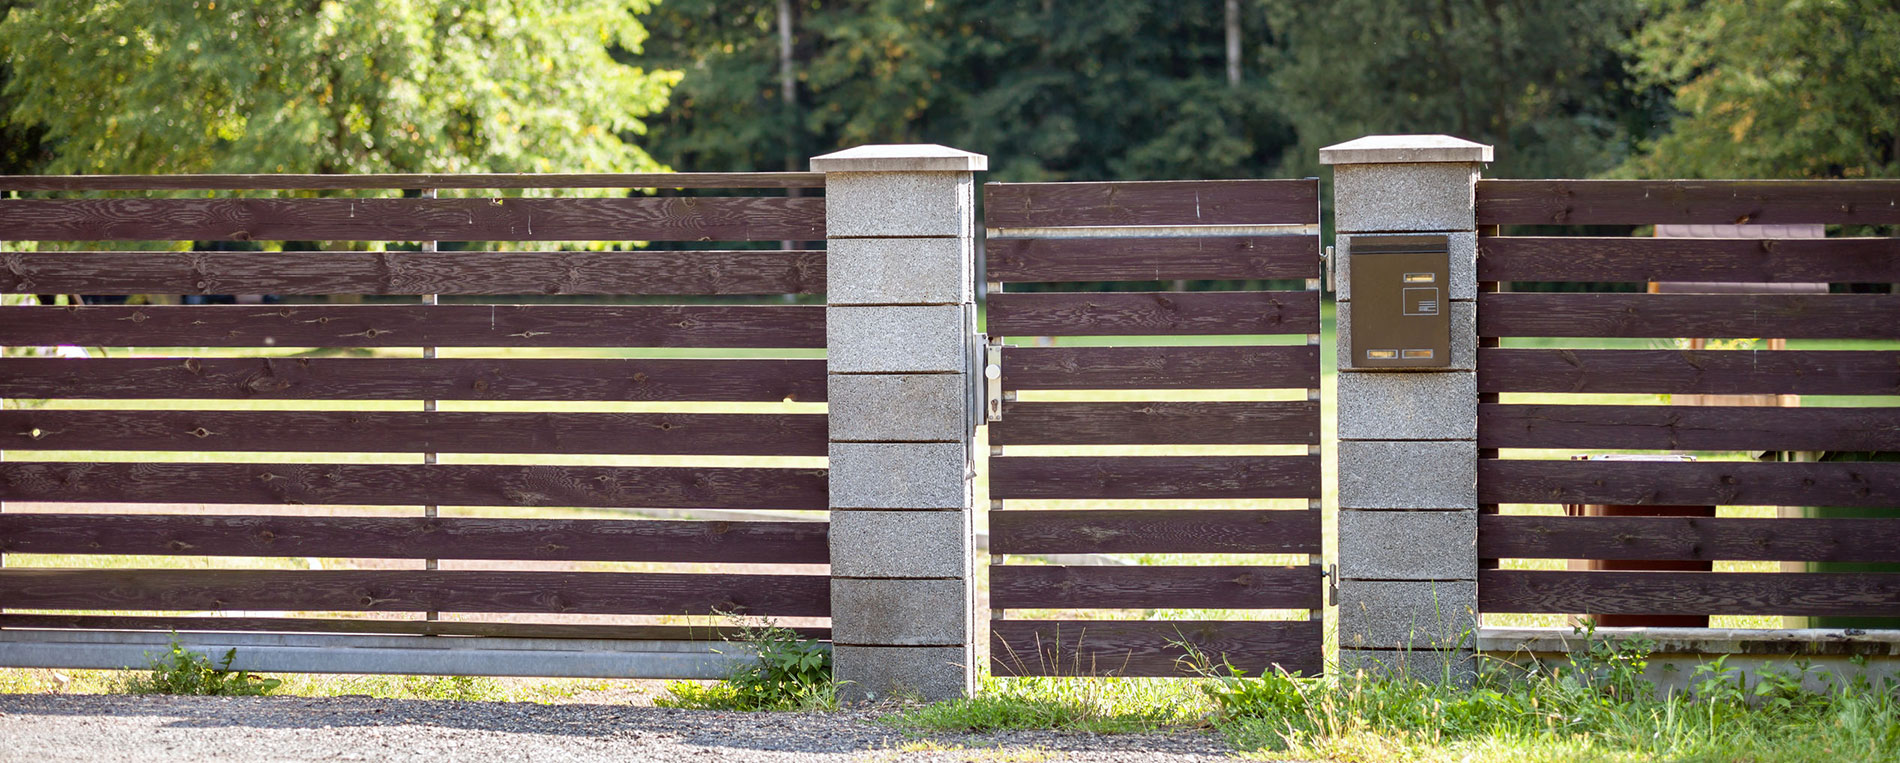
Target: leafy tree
(1774, 88)
(330, 86)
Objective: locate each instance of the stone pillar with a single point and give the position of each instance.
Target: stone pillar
(900, 321)
(1408, 451)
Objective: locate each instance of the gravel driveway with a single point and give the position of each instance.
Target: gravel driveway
(49, 727)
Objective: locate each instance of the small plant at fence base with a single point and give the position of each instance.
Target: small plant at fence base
(182, 671)
(791, 673)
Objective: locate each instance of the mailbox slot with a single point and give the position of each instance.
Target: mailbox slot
(1400, 311)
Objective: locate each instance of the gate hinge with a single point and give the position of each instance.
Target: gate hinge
(1332, 585)
(1329, 265)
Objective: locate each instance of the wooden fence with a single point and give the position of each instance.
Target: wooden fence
(1530, 390)
(200, 375)
(1154, 231)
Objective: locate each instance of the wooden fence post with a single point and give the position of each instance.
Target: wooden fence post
(1408, 450)
(900, 321)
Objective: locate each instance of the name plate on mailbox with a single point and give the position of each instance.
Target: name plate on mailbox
(1400, 309)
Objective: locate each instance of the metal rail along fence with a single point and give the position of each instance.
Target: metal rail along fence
(321, 475)
(1843, 363)
(1063, 473)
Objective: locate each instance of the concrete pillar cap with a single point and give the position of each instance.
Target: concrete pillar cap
(901, 157)
(1400, 149)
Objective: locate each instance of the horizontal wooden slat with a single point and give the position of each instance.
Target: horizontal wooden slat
(1177, 531)
(1857, 594)
(1160, 313)
(1166, 202)
(591, 593)
(1239, 423)
(416, 326)
(596, 540)
(450, 273)
(1151, 259)
(642, 218)
(415, 379)
(404, 484)
(1706, 483)
(1142, 648)
(1692, 202)
(1690, 372)
(416, 431)
(410, 181)
(1591, 259)
(1687, 427)
(1790, 316)
(391, 627)
(1687, 538)
(1099, 477)
(1044, 586)
(1233, 367)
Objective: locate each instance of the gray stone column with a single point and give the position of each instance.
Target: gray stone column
(1408, 452)
(899, 325)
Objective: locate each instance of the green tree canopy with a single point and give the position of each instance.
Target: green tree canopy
(126, 86)
(1774, 88)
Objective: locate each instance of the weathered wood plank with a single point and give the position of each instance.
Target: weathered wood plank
(1158, 313)
(1142, 648)
(1790, 316)
(1593, 259)
(405, 484)
(1857, 594)
(416, 326)
(1687, 538)
(1240, 423)
(415, 379)
(289, 182)
(1687, 427)
(1706, 483)
(643, 218)
(1044, 586)
(592, 593)
(1168, 531)
(418, 432)
(391, 627)
(404, 273)
(1166, 202)
(596, 540)
(1233, 367)
(1692, 202)
(1151, 259)
(1102, 477)
(1689, 372)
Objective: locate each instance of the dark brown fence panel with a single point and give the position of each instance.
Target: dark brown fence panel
(1700, 202)
(599, 593)
(1168, 531)
(1226, 587)
(724, 326)
(1157, 423)
(449, 273)
(1687, 427)
(408, 484)
(1151, 259)
(390, 627)
(1105, 477)
(1690, 372)
(1242, 367)
(1689, 538)
(1856, 594)
(598, 540)
(413, 431)
(1635, 259)
(1158, 313)
(1167, 202)
(499, 219)
(634, 380)
(1791, 316)
(1125, 648)
(1709, 483)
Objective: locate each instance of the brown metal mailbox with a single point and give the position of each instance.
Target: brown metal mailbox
(1400, 314)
